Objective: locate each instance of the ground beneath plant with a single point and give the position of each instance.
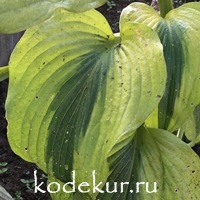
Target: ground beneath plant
(17, 175)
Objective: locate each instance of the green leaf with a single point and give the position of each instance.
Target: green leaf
(179, 33)
(68, 193)
(154, 156)
(192, 126)
(75, 90)
(3, 170)
(4, 73)
(3, 164)
(16, 15)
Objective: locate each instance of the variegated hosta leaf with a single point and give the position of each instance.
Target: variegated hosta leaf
(76, 90)
(16, 15)
(192, 126)
(179, 32)
(69, 192)
(153, 156)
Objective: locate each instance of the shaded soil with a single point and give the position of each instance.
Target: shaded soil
(112, 11)
(17, 169)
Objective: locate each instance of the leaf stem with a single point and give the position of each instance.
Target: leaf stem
(180, 133)
(192, 144)
(165, 6)
(4, 73)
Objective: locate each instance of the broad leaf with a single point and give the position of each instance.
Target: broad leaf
(75, 90)
(179, 33)
(192, 126)
(157, 157)
(16, 15)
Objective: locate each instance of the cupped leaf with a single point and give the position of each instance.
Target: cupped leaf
(141, 13)
(16, 16)
(76, 90)
(4, 73)
(155, 164)
(125, 103)
(179, 33)
(192, 127)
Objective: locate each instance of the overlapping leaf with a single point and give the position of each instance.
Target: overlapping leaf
(192, 126)
(166, 167)
(16, 16)
(76, 90)
(179, 32)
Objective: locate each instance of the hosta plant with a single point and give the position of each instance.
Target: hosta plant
(98, 111)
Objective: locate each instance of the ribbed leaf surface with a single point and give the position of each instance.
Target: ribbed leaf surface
(76, 90)
(179, 32)
(157, 157)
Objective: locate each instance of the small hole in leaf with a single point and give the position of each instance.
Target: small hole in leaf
(176, 190)
(118, 45)
(26, 149)
(193, 171)
(36, 97)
